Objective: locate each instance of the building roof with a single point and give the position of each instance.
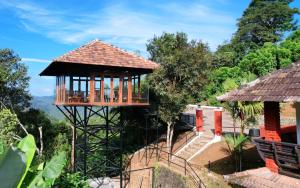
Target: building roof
(282, 85)
(99, 54)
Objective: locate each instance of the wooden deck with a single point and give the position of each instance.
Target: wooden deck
(99, 104)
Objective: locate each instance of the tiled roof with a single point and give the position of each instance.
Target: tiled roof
(281, 86)
(97, 52)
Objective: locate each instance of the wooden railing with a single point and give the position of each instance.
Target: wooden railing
(286, 155)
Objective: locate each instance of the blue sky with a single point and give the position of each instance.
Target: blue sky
(41, 30)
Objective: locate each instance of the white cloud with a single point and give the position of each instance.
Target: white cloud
(35, 60)
(122, 26)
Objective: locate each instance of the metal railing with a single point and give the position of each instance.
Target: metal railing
(178, 163)
(184, 140)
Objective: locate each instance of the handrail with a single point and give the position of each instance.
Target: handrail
(187, 138)
(197, 180)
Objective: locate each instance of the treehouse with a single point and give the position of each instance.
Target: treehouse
(99, 74)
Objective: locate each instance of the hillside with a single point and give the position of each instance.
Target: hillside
(45, 103)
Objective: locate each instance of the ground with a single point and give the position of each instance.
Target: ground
(217, 159)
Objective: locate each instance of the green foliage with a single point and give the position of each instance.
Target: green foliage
(8, 126)
(262, 61)
(263, 21)
(236, 143)
(292, 43)
(181, 76)
(74, 180)
(13, 81)
(224, 56)
(56, 134)
(16, 162)
(51, 171)
(182, 72)
(27, 145)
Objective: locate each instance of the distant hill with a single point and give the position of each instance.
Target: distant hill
(45, 103)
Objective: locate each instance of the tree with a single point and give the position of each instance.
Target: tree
(8, 126)
(266, 59)
(225, 56)
(292, 43)
(263, 21)
(180, 77)
(13, 81)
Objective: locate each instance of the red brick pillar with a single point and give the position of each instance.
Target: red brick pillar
(272, 128)
(199, 120)
(218, 121)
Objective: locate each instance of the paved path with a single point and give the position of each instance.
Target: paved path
(262, 178)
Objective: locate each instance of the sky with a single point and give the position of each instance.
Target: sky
(39, 31)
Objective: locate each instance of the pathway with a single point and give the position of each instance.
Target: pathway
(262, 178)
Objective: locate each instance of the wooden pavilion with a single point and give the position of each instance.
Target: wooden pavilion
(99, 74)
(278, 145)
(90, 81)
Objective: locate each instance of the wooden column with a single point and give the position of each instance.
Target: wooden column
(139, 86)
(56, 90)
(112, 89)
(64, 89)
(71, 84)
(59, 89)
(199, 120)
(121, 89)
(298, 121)
(272, 129)
(102, 87)
(92, 88)
(129, 89)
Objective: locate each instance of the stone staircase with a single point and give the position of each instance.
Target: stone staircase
(195, 146)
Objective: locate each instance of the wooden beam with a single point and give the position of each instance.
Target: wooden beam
(102, 87)
(92, 88)
(121, 89)
(111, 89)
(129, 89)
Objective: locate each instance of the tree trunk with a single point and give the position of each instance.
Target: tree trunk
(170, 132)
(73, 149)
(41, 140)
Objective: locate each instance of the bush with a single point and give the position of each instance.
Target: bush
(71, 180)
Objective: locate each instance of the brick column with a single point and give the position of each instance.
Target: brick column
(272, 128)
(218, 121)
(199, 120)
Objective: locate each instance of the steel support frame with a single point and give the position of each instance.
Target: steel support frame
(100, 143)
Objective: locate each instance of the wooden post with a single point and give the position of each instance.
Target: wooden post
(56, 89)
(71, 84)
(129, 89)
(121, 89)
(139, 86)
(102, 87)
(92, 88)
(298, 121)
(111, 89)
(64, 89)
(59, 89)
